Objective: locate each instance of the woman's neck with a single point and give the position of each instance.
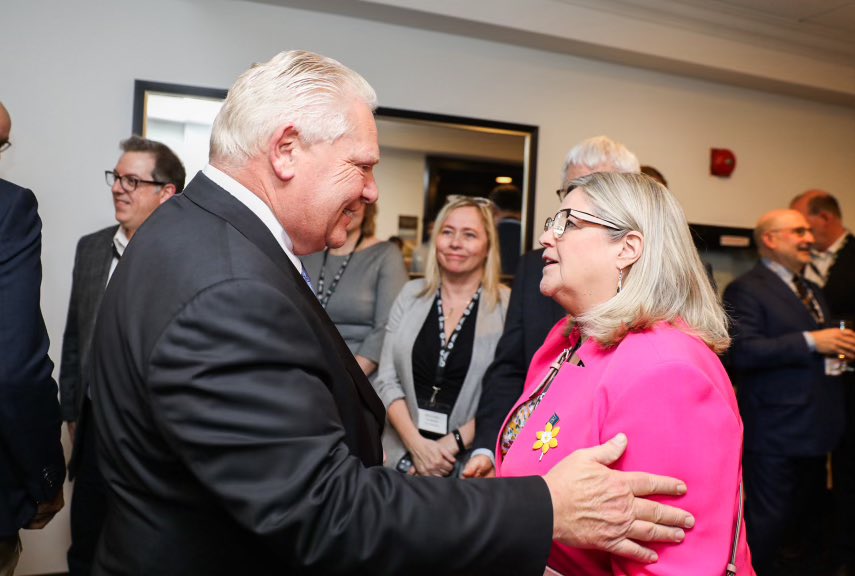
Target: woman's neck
(350, 244)
(461, 286)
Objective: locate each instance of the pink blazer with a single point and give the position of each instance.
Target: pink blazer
(668, 392)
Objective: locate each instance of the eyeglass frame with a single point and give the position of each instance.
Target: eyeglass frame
(584, 216)
(480, 200)
(563, 192)
(130, 178)
(5, 145)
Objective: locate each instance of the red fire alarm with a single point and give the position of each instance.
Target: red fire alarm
(722, 162)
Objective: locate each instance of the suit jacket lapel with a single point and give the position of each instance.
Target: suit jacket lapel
(777, 286)
(212, 198)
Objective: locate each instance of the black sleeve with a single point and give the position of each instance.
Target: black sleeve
(69, 367)
(243, 400)
(504, 379)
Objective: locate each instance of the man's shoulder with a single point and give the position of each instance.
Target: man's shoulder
(107, 232)
(12, 195)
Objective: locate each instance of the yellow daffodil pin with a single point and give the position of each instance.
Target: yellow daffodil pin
(546, 439)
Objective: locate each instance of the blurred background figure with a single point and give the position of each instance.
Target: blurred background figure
(508, 201)
(791, 403)
(357, 284)
(655, 174)
(442, 334)
(832, 266)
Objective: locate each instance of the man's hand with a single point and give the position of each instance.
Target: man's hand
(72, 429)
(479, 467)
(46, 511)
(597, 507)
(833, 341)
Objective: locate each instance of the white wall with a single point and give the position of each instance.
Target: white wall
(68, 84)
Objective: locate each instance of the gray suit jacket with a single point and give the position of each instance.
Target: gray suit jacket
(395, 372)
(89, 278)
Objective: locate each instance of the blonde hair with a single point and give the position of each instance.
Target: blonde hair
(307, 90)
(668, 282)
(491, 281)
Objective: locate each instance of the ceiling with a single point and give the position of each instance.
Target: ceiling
(821, 27)
(802, 48)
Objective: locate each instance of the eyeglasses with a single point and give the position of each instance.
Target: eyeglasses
(5, 145)
(560, 222)
(129, 183)
(479, 200)
(562, 192)
(800, 231)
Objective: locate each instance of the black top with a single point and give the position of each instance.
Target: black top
(426, 357)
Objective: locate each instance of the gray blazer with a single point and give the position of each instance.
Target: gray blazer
(395, 372)
(89, 279)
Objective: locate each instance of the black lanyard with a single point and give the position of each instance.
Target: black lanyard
(325, 297)
(445, 347)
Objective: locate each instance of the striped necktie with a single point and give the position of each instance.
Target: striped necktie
(808, 299)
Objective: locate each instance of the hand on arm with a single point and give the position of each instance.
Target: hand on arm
(597, 507)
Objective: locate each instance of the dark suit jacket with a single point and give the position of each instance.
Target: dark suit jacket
(531, 316)
(32, 466)
(839, 290)
(238, 435)
(91, 267)
(789, 406)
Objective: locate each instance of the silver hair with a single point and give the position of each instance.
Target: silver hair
(600, 154)
(307, 90)
(668, 282)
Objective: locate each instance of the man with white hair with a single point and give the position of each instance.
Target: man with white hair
(530, 314)
(239, 434)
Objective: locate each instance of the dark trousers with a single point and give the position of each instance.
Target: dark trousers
(88, 500)
(843, 482)
(784, 511)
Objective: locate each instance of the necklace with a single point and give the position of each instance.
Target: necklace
(324, 296)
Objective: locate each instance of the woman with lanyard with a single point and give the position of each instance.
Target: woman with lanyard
(441, 336)
(357, 284)
(636, 354)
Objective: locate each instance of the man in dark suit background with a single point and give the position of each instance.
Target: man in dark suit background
(147, 174)
(239, 435)
(32, 465)
(791, 407)
(530, 314)
(833, 268)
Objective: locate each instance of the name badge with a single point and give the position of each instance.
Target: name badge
(431, 421)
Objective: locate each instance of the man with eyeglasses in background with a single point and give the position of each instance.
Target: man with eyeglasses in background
(531, 314)
(147, 174)
(32, 466)
(782, 362)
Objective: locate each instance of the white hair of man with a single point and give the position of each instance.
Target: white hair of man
(309, 91)
(601, 154)
(668, 282)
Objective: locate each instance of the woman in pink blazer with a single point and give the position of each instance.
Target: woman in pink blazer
(637, 355)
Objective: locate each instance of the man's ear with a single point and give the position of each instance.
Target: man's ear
(632, 245)
(283, 151)
(167, 192)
